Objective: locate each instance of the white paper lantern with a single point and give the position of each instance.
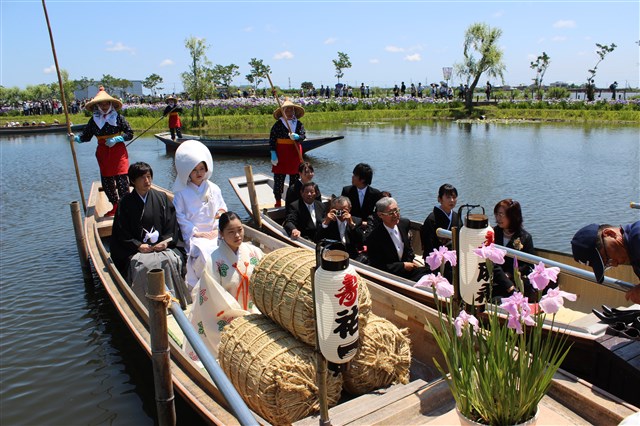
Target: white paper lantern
(336, 298)
(472, 272)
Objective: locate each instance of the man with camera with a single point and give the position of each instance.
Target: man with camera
(339, 225)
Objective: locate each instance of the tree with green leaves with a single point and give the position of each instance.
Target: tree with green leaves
(222, 75)
(258, 72)
(152, 83)
(481, 55)
(67, 85)
(84, 83)
(540, 65)
(307, 85)
(603, 50)
(340, 64)
(195, 80)
(108, 82)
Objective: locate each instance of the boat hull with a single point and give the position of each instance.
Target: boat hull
(38, 130)
(241, 146)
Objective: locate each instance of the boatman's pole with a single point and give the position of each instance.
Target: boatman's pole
(66, 111)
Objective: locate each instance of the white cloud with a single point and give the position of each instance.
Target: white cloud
(541, 40)
(166, 63)
(559, 38)
(330, 40)
(119, 47)
(283, 55)
(374, 61)
(413, 58)
(394, 49)
(50, 69)
(564, 24)
(532, 57)
(498, 14)
(248, 29)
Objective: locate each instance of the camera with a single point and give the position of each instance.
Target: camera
(339, 213)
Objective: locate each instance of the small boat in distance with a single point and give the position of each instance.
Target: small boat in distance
(37, 129)
(241, 145)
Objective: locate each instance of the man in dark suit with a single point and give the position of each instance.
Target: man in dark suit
(305, 215)
(340, 225)
(363, 197)
(389, 245)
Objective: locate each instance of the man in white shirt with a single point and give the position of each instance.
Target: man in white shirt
(389, 244)
(305, 215)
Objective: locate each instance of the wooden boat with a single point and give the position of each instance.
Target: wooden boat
(37, 129)
(426, 399)
(241, 145)
(586, 358)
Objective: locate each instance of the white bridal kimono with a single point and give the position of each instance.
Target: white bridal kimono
(196, 207)
(222, 293)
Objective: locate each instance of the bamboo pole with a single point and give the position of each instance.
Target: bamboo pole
(81, 244)
(253, 198)
(275, 95)
(147, 129)
(160, 353)
(66, 111)
(321, 361)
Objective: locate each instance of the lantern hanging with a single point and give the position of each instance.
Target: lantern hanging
(473, 272)
(336, 302)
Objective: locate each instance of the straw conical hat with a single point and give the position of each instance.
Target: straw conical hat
(171, 98)
(287, 103)
(102, 96)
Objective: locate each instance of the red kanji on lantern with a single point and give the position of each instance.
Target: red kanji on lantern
(348, 293)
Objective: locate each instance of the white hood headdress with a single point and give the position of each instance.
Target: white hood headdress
(189, 154)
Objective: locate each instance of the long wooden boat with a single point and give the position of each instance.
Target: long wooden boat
(37, 129)
(587, 358)
(424, 400)
(253, 146)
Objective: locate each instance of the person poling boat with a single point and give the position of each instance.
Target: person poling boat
(111, 129)
(172, 110)
(606, 246)
(286, 152)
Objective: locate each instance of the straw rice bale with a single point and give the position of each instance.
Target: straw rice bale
(383, 358)
(274, 373)
(281, 289)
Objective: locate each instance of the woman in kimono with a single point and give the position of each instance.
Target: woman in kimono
(222, 293)
(145, 234)
(198, 203)
(112, 130)
(286, 152)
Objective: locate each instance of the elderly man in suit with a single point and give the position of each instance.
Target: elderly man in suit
(389, 245)
(362, 195)
(340, 225)
(305, 215)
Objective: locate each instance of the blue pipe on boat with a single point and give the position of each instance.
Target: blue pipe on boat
(239, 408)
(571, 270)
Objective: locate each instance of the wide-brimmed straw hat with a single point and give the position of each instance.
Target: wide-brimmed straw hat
(287, 103)
(103, 96)
(171, 98)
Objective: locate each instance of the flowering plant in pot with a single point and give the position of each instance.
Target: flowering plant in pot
(499, 365)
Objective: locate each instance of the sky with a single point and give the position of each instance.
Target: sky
(387, 42)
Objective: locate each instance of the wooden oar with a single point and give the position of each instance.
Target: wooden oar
(275, 95)
(66, 111)
(147, 129)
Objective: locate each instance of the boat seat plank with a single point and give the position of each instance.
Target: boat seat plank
(350, 411)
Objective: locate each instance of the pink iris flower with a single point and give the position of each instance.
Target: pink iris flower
(519, 311)
(439, 283)
(553, 300)
(438, 256)
(492, 253)
(462, 320)
(541, 276)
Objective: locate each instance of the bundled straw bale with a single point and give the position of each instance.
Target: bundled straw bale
(383, 358)
(273, 372)
(281, 289)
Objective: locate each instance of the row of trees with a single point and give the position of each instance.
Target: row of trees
(481, 56)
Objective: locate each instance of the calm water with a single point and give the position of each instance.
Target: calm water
(66, 358)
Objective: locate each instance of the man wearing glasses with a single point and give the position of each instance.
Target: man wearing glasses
(606, 246)
(389, 244)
